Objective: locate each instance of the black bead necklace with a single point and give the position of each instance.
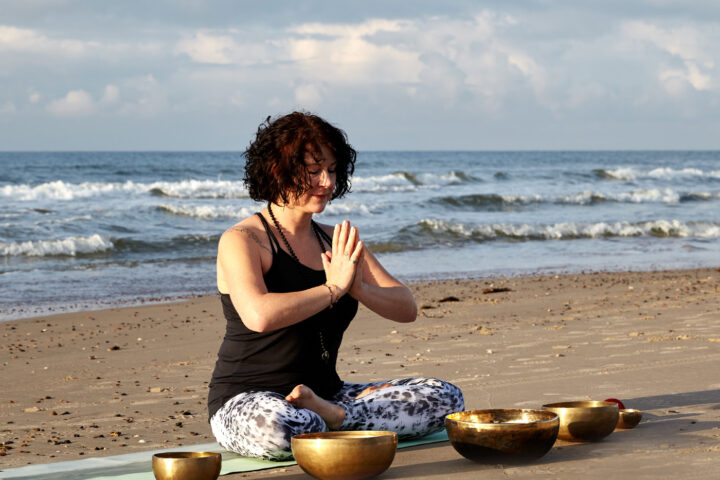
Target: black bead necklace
(325, 354)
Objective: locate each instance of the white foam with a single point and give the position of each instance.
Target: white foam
(68, 246)
(208, 211)
(672, 173)
(570, 230)
(394, 182)
(667, 173)
(346, 208)
(60, 190)
(622, 173)
(201, 189)
(667, 195)
(652, 195)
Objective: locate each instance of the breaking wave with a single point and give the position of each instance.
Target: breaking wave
(492, 201)
(408, 181)
(429, 232)
(71, 246)
(631, 174)
(206, 211)
(59, 190)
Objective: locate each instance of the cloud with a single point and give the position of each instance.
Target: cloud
(79, 103)
(223, 48)
(33, 97)
(691, 53)
(346, 54)
(23, 40)
(76, 103)
(111, 95)
(206, 48)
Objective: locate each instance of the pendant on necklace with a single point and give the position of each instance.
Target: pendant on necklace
(325, 356)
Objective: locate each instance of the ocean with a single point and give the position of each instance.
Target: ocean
(87, 230)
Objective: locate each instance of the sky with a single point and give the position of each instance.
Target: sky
(394, 74)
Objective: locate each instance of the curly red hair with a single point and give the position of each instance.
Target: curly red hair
(275, 161)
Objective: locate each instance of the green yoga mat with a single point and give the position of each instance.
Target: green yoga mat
(138, 466)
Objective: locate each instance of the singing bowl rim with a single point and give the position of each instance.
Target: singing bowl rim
(345, 435)
(186, 455)
(452, 417)
(581, 405)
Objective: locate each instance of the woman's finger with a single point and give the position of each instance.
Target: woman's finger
(352, 238)
(357, 254)
(336, 238)
(342, 241)
(325, 260)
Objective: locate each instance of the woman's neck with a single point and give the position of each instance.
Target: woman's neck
(291, 219)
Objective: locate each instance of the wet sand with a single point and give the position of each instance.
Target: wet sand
(123, 380)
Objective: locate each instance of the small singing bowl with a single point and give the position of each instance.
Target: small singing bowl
(585, 421)
(349, 455)
(629, 418)
(502, 435)
(186, 465)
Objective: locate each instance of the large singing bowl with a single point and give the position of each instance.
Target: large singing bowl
(585, 421)
(186, 465)
(351, 455)
(502, 435)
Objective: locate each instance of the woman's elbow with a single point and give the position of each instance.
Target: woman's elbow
(407, 315)
(256, 323)
(254, 320)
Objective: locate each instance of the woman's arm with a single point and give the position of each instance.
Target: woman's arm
(261, 311)
(382, 293)
(239, 262)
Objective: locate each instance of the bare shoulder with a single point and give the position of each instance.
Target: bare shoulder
(249, 232)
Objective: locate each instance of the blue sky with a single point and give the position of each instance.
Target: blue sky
(408, 75)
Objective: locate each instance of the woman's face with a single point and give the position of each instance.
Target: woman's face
(322, 181)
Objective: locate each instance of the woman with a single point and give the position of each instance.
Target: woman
(289, 289)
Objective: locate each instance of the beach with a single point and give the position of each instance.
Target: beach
(122, 380)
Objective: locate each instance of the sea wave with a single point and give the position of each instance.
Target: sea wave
(433, 231)
(59, 190)
(355, 208)
(493, 201)
(406, 181)
(631, 173)
(175, 244)
(206, 211)
(71, 246)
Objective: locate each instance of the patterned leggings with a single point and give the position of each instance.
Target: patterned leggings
(261, 424)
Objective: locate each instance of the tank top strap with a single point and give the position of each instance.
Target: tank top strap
(322, 233)
(273, 241)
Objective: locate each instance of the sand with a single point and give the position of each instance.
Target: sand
(123, 380)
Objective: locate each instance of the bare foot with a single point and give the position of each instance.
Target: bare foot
(304, 397)
(369, 390)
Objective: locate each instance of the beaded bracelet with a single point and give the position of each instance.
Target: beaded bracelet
(332, 296)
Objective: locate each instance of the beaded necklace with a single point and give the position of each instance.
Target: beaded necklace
(325, 354)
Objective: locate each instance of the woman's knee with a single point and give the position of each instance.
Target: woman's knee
(263, 430)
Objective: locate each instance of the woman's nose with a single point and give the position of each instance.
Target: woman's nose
(325, 179)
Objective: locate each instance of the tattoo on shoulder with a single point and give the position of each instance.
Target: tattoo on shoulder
(252, 235)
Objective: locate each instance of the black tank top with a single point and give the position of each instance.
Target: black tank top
(277, 361)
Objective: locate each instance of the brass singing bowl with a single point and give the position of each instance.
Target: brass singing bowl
(351, 455)
(502, 435)
(186, 465)
(585, 421)
(629, 418)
